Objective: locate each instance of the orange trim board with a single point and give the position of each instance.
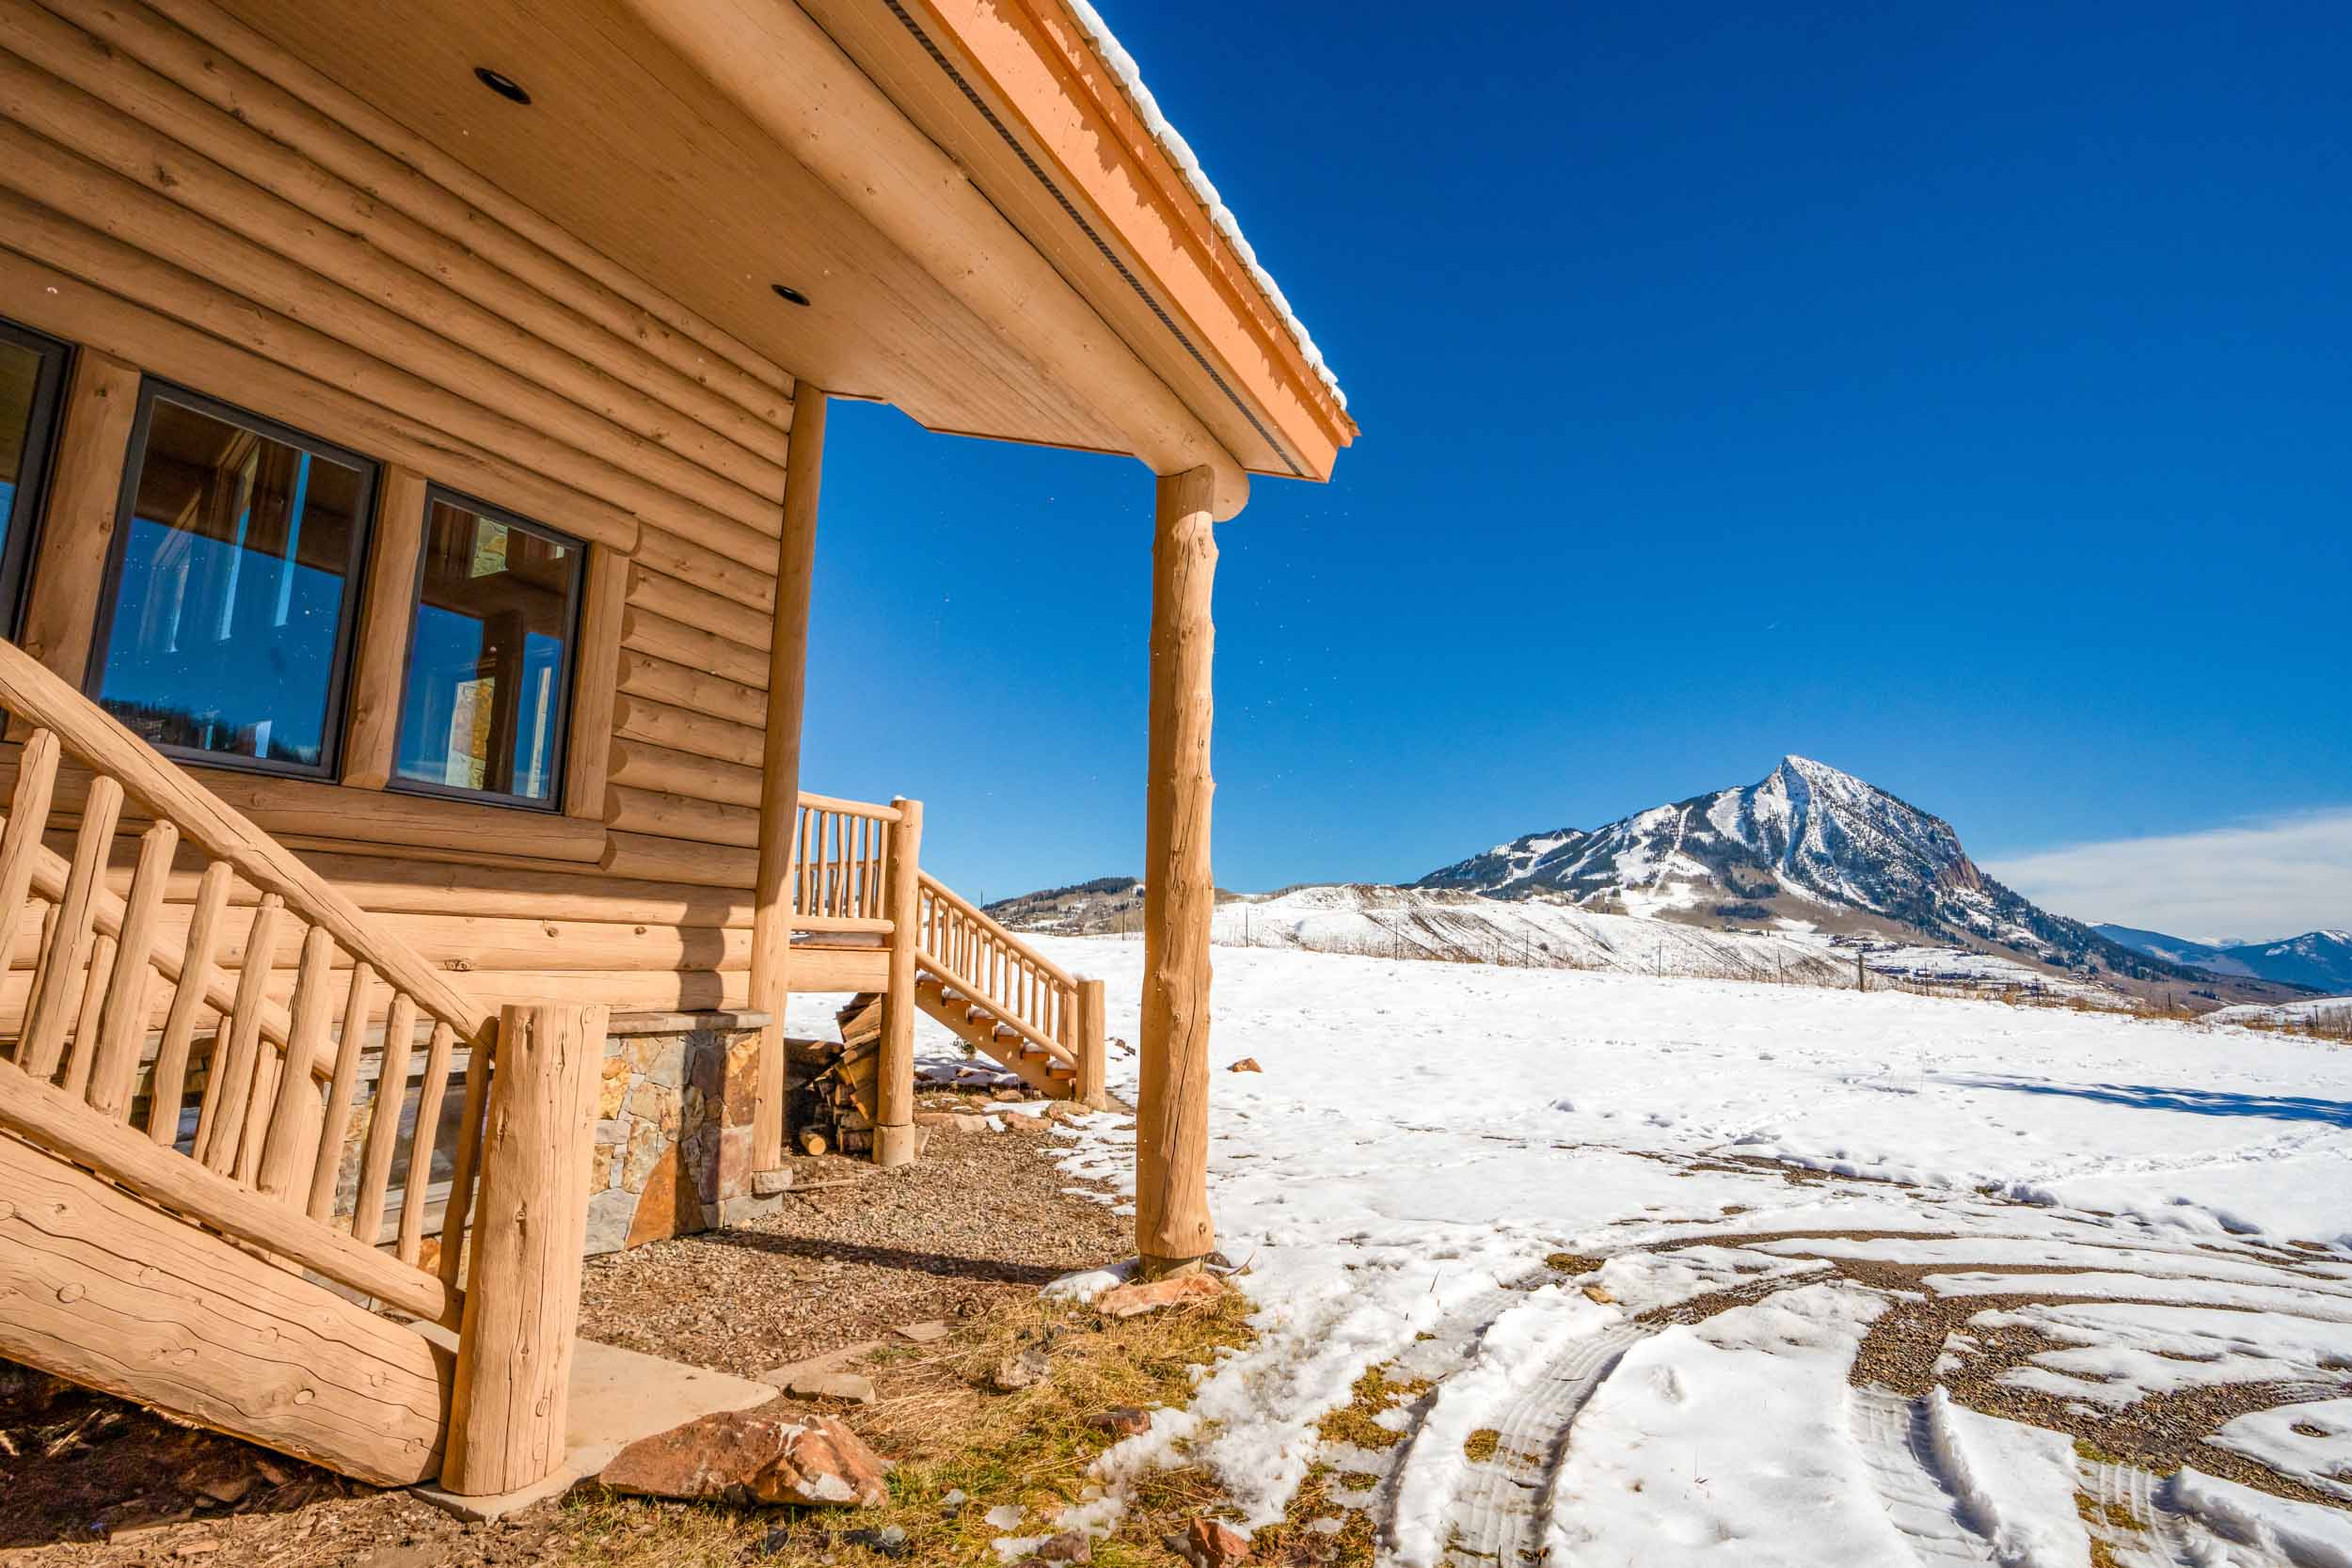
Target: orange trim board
(1040, 67)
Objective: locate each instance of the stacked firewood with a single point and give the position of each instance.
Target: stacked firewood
(835, 1103)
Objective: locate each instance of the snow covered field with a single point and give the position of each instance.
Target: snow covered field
(1705, 1272)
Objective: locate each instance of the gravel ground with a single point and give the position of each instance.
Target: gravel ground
(980, 1216)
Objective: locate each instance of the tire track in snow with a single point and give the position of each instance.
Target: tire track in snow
(2169, 1539)
(1893, 1431)
(1500, 1507)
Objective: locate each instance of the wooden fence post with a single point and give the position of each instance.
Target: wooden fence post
(522, 1285)
(893, 1086)
(1091, 1050)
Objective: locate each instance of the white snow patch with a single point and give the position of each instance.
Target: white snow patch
(2304, 1534)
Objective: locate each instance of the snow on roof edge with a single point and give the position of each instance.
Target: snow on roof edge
(1130, 78)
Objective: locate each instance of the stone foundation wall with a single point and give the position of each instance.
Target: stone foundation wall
(673, 1136)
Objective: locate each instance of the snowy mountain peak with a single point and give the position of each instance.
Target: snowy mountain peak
(1807, 841)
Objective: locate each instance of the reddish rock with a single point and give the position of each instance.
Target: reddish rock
(747, 1456)
(656, 1215)
(1248, 1064)
(1126, 1422)
(1214, 1544)
(740, 1087)
(1069, 1547)
(1129, 1301)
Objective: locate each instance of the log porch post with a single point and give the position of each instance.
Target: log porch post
(894, 1083)
(512, 1386)
(780, 769)
(1173, 1231)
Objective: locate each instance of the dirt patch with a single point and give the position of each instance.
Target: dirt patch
(982, 1217)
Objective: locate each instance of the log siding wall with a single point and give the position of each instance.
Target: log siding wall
(177, 199)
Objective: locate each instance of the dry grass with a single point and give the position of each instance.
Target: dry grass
(1374, 1392)
(948, 1433)
(1480, 1446)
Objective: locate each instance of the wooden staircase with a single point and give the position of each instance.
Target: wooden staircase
(1001, 996)
(213, 1259)
(973, 1021)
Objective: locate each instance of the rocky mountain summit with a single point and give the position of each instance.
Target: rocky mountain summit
(1806, 842)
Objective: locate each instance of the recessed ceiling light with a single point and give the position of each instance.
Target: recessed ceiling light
(501, 83)
(785, 290)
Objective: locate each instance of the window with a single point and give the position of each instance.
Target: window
(32, 368)
(226, 623)
(489, 655)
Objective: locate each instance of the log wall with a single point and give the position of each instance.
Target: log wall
(178, 199)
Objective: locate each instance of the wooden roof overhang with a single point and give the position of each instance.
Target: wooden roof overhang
(987, 236)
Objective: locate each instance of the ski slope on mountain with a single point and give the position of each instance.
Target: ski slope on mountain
(1733, 1273)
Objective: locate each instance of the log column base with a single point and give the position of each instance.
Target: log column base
(1149, 1268)
(894, 1145)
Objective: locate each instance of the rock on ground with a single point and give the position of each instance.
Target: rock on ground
(1130, 1301)
(746, 1456)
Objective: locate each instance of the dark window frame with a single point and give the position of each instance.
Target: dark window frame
(560, 742)
(31, 508)
(334, 721)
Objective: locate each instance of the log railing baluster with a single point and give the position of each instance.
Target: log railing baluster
(392, 1097)
(19, 843)
(68, 948)
(467, 1157)
(84, 1051)
(421, 1142)
(294, 1116)
(229, 1083)
(115, 1068)
(336, 1124)
(196, 971)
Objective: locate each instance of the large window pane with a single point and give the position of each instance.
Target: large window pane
(227, 627)
(31, 369)
(488, 654)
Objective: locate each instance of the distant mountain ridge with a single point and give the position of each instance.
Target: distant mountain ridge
(2319, 959)
(1806, 841)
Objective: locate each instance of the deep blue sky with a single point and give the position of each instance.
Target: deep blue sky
(1958, 395)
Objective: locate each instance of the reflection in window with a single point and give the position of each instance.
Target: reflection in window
(226, 633)
(31, 368)
(487, 653)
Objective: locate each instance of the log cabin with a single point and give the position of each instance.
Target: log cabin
(412, 428)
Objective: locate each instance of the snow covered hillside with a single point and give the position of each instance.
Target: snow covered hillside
(1372, 921)
(2319, 959)
(1692, 1272)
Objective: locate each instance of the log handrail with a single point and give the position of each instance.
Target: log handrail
(810, 800)
(933, 888)
(33, 694)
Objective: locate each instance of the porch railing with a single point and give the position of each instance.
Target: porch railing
(260, 1170)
